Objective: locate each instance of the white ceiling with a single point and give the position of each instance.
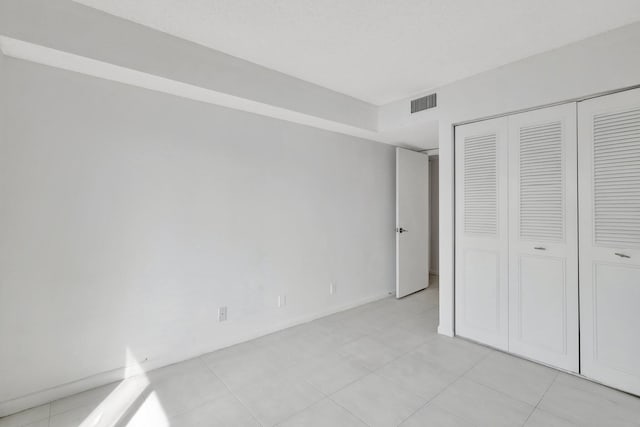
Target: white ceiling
(378, 50)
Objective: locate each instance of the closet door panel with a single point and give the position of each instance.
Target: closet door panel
(481, 274)
(609, 176)
(540, 325)
(543, 245)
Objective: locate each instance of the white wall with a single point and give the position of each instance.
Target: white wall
(605, 62)
(127, 217)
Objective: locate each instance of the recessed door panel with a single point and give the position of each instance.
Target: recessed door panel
(482, 289)
(541, 309)
(616, 288)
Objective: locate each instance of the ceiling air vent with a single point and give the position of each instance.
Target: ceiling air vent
(423, 103)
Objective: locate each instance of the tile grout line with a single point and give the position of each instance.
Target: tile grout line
(328, 396)
(447, 387)
(75, 408)
(504, 393)
(230, 391)
(548, 388)
(542, 397)
(557, 373)
(397, 325)
(371, 371)
(195, 407)
(374, 372)
(325, 397)
(348, 410)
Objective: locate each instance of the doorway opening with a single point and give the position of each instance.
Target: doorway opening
(434, 223)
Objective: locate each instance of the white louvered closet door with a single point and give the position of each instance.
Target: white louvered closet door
(609, 176)
(481, 272)
(543, 236)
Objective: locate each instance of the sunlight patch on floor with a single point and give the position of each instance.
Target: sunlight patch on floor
(131, 403)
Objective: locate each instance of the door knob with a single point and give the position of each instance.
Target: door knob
(401, 230)
(622, 255)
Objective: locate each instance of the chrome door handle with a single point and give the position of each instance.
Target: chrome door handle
(539, 248)
(622, 255)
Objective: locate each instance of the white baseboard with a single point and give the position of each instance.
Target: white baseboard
(41, 397)
(445, 331)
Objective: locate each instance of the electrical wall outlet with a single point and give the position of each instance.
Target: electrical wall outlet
(222, 314)
(332, 288)
(282, 300)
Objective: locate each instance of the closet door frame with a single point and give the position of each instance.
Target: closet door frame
(587, 367)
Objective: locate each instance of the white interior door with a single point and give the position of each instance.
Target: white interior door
(412, 222)
(543, 236)
(609, 178)
(481, 267)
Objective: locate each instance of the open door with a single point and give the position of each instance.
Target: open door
(412, 222)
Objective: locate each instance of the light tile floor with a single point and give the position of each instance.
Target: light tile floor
(381, 364)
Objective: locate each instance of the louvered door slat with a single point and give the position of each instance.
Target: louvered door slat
(541, 182)
(480, 185)
(616, 179)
